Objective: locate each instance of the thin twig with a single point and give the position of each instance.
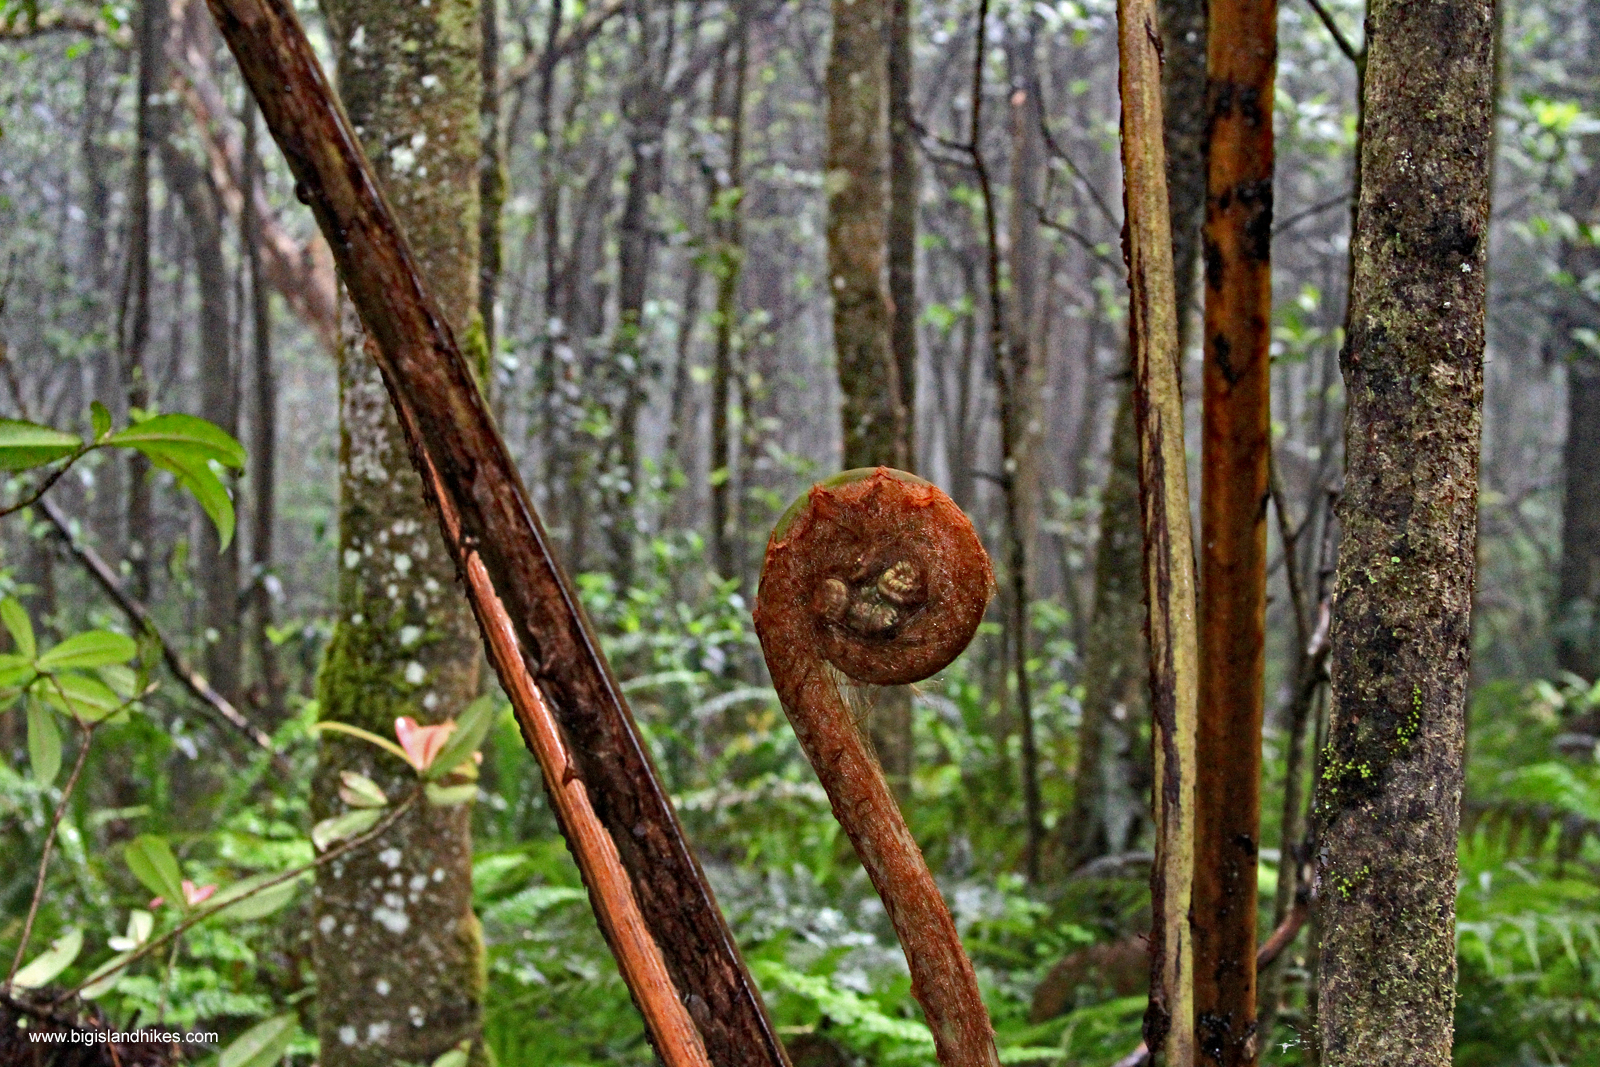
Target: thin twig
(1354, 55)
(107, 578)
(50, 480)
(49, 845)
(198, 917)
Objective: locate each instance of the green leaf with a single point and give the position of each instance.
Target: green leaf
(79, 695)
(44, 743)
(243, 900)
(456, 1057)
(181, 435)
(359, 791)
(194, 473)
(262, 1045)
(19, 626)
(151, 860)
(15, 670)
(52, 961)
(106, 976)
(100, 418)
(93, 648)
(445, 796)
(471, 728)
(340, 827)
(27, 444)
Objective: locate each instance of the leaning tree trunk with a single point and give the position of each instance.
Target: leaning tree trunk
(875, 403)
(1111, 766)
(398, 950)
(1389, 792)
(1235, 442)
(1168, 540)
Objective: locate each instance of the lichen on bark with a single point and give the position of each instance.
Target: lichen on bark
(1388, 805)
(398, 951)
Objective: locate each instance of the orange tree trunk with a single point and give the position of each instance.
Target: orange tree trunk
(1241, 60)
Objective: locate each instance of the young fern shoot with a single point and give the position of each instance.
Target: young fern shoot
(877, 575)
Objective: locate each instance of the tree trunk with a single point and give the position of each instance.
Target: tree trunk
(1110, 766)
(1578, 589)
(219, 402)
(725, 210)
(1235, 442)
(491, 181)
(1389, 790)
(901, 223)
(133, 315)
(398, 951)
(873, 408)
(875, 402)
(1168, 543)
(1577, 607)
(1109, 807)
(263, 440)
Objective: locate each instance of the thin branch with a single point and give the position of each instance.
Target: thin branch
(1314, 209)
(107, 578)
(1273, 947)
(348, 845)
(1353, 54)
(1058, 153)
(49, 480)
(49, 844)
(24, 26)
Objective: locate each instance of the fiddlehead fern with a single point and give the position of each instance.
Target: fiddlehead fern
(878, 576)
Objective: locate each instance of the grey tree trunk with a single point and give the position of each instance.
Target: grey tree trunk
(398, 951)
(1389, 793)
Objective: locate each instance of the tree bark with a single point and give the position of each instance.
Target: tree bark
(523, 601)
(397, 948)
(1168, 544)
(1235, 444)
(1110, 768)
(133, 316)
(901, 223)
(725, 213)
(1389, 790)
(263, 439)
(872, 408)
(1577, 607)
(875, 402)
(219, 402)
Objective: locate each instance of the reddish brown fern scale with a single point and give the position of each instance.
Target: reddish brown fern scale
(878, 574)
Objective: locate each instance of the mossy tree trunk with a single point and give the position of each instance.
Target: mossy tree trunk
(398, 950)
(1389, 794)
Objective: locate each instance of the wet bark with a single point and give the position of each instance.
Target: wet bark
(1168, 543)
(1235, 443)
(397, 948)
(1388, 804)
(523, 601)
